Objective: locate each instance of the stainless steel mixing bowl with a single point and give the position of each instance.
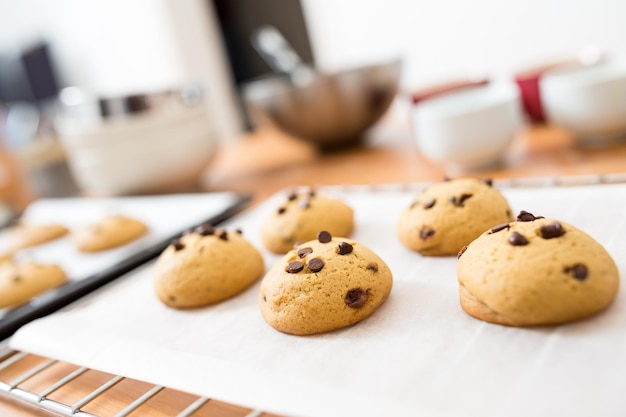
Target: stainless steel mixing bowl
(328, 110)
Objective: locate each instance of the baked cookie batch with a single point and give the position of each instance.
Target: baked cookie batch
(526, 271)
(19, 282)
(520, 272)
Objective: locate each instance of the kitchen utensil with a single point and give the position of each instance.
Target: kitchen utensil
(468, 129)
(329, 110)
(589, 101)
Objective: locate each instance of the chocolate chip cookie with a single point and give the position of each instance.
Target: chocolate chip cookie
(20, 283)
(109, 232)
(449, 215)
(535, 271)
(206, 266)
(301, 216)
(322, 285)
(26, 235)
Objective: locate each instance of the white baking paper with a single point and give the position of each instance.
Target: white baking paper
(419, 354)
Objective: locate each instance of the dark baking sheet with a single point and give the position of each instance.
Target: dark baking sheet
(55, 299)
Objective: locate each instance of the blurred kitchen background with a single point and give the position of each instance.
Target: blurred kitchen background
(86, 81)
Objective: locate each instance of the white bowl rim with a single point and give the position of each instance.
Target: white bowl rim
(469, 100)
(584, 75)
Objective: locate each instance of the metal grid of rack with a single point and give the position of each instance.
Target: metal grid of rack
(11, 360)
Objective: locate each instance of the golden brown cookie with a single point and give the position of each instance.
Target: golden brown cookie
(301, 216)
(535, 271)
(27, 235)
(20, 283)
(449, 215)
(323, 285)
(206, 266)
(109, 232)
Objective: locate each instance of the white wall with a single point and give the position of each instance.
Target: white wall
(441, 39)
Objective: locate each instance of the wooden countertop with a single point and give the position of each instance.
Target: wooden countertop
(267, 161)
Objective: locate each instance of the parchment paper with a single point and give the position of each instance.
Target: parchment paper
(419, 354)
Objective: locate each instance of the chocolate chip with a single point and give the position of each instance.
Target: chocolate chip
(315, 264)
(461, 252)
(205, 230)
(356, 298)
(172, 298)
(292, 196)
(551, 230)
(577, 271)
(458, 201)
(447, 179)
(372, 266)
(294, 267)
(499, 228)
(265, 298)
(312, 192)
(223, 235)
(487, 181)
(525, 216)
(324, 237)
(517, 239)
(427, 232)
(239, 231)
(344, 248)
(304, 252)
(304, 204)
(178, 245)
(430, 204)
(281, 210)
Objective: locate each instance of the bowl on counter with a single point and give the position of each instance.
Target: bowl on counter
(470, 128)
(330, 110)
(589, 101)
(163, 147)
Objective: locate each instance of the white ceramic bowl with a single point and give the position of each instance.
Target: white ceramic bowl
(468, 129)
(152, 152)
(589, 101)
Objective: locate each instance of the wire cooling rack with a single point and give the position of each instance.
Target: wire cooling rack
(19, 371)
